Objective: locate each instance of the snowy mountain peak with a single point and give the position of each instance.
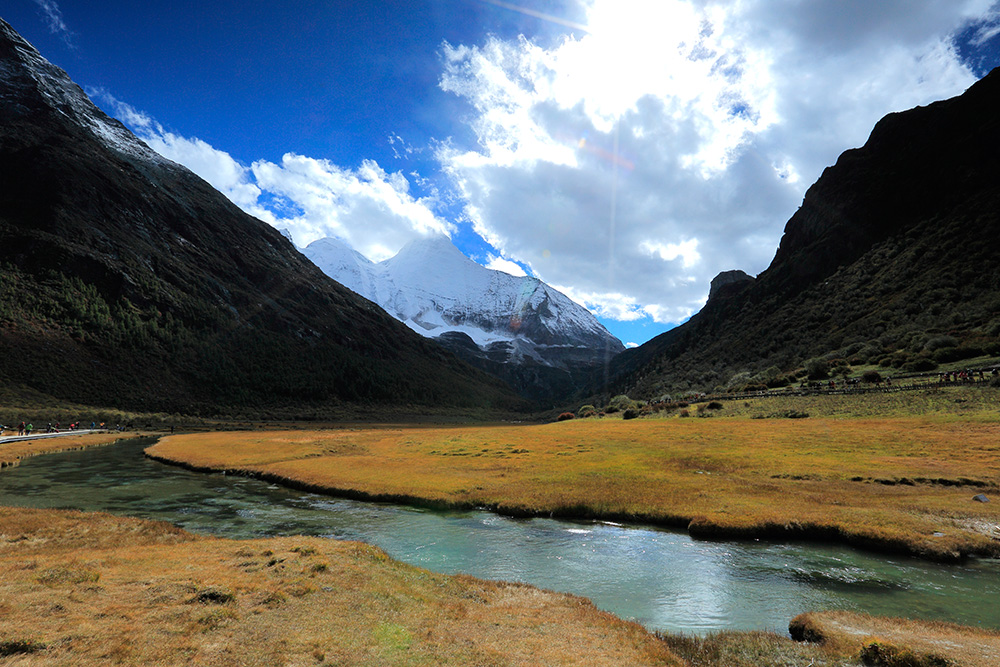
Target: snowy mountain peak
(435, 289)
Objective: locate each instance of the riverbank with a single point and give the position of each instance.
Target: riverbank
(92, 589)
(12, 450)
(905, 485)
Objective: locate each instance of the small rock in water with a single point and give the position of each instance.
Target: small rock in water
(981, 498)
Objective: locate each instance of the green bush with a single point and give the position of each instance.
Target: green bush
(871, 377)
(940, 342)
(947, 354)
(621, 402)
(780, 381)
(817, 368)
(919, 365)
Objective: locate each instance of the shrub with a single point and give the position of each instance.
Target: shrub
(895, 360)
(871, 377)
(586, 411)
(767, 375)
(714, 405)
(780, 381)
(621, 402)
(630, 413)
(565, 416)
(920, 364)
(817, 369)
(947, 354)
(939, 342)
(738, 381)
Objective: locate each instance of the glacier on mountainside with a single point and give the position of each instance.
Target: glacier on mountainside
(434, 289)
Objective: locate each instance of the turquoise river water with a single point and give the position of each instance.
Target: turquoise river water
(663, 579)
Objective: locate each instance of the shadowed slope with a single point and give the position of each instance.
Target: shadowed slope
(128, 280)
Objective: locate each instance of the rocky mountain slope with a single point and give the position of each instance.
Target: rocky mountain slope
(128, 281)
(519, 328)
(891, 259)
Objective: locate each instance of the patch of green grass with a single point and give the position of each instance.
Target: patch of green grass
(392, 637)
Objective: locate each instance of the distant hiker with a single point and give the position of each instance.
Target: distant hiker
(48, 428)
(27, 429)
(20, 429)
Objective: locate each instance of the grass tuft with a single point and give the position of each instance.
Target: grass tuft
(215, 595)
(10, 647)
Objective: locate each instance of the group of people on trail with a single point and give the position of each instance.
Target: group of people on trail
(25, 429)
(965, 376)
(22, 429)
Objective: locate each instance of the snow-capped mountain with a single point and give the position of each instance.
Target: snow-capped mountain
(437, 291)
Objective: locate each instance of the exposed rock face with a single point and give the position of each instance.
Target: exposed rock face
(728, 278)
(893, 244)
(128, 281)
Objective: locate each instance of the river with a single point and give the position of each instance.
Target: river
(663, 579)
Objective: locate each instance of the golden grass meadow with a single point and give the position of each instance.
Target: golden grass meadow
(93, 589)
(902, 484)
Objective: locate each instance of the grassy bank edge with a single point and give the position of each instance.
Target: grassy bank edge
(697, 526)
(12, 453)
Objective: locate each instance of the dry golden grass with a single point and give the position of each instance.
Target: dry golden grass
(903, 483)
(899, 642)
(12, 452)
(91, 589)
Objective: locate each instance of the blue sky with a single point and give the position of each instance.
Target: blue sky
(622, 151)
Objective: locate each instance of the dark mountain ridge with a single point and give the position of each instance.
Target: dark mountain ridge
(128, 281)
(891, 259)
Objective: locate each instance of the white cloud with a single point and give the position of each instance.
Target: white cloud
(505, 265)
(674, 139)
(54, 17)
(686, 251)
(370, 208)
